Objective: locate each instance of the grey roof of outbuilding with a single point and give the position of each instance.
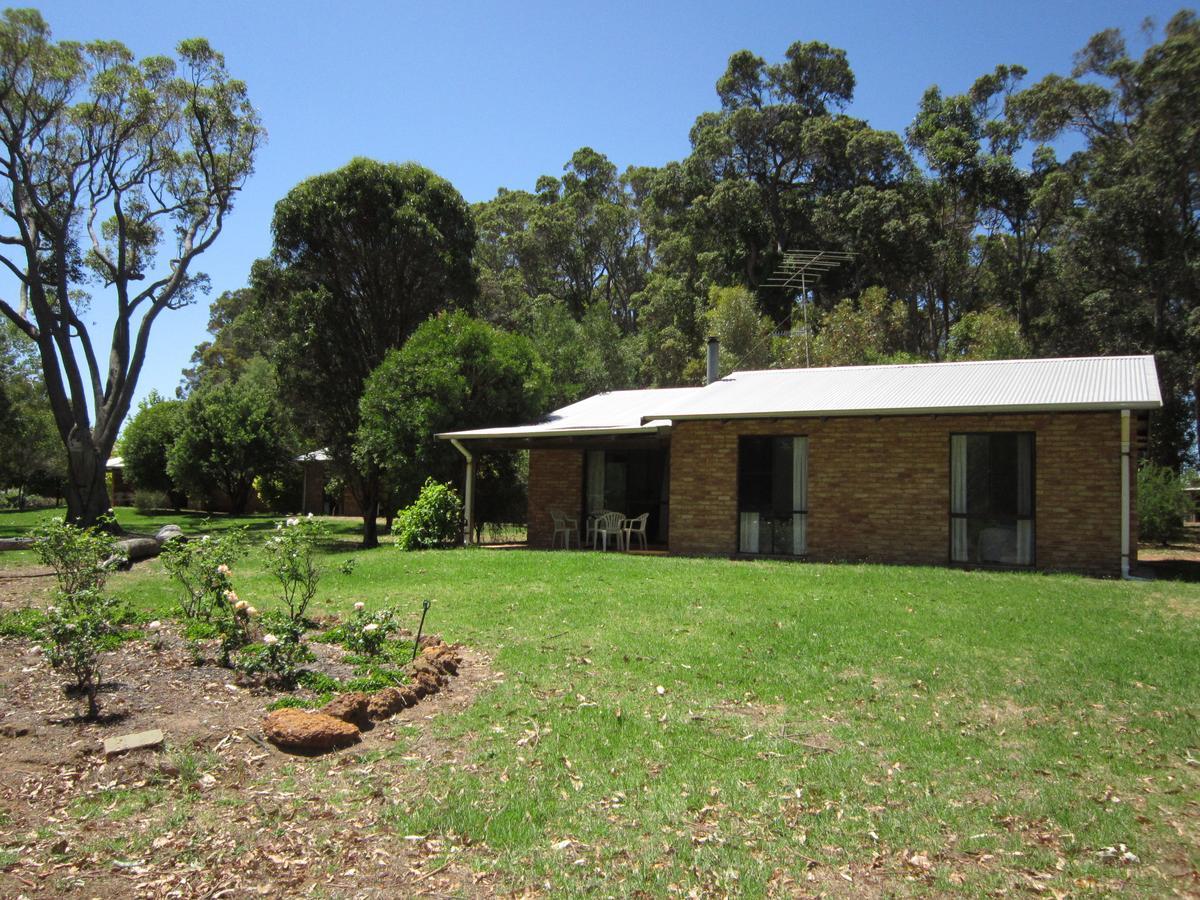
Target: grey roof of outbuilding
(1011, 385)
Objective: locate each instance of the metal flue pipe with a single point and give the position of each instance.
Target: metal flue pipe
(714, 360)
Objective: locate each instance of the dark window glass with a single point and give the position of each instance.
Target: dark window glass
(991, 498)
(772, 495)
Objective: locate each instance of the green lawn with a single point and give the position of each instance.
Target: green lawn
(735, 727)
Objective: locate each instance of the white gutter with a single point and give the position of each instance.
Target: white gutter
(469, 498)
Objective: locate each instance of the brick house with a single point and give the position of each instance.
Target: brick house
(1013, 463)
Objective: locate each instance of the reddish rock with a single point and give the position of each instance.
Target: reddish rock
(386, 703)
(428, 680)
(350, 707)
(443, 658)
(308, 732)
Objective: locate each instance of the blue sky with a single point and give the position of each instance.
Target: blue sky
(491, 95)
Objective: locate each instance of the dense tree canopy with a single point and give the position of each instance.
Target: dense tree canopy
(230, 434)
(103, 159)
(146, 442)
(971, 236)
(455, 372)
(361, 257)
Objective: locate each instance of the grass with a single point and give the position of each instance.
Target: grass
(723, 725)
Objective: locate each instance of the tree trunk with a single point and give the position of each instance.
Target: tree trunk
(370, 520)
(87, 492)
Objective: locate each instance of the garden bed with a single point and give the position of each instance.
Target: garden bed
(62, 798)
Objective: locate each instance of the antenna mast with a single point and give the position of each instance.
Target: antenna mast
(802, 269)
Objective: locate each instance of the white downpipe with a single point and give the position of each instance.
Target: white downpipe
(469, 492)
(1125, 493)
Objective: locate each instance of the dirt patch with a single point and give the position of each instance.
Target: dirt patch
(216, 810)
(25, 586)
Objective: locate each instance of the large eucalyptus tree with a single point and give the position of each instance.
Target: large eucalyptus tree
(103, 161)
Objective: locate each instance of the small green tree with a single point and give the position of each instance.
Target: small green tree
(434, 520)
(1162, 503)
(230, 434)
(454, 372)
(146, 443)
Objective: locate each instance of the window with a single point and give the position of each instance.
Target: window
(991, 498)
(773, 495)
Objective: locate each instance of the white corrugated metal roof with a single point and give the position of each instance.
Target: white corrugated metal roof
(1085, 383)
(616, 412)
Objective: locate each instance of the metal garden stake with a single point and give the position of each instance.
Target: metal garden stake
(420, 628)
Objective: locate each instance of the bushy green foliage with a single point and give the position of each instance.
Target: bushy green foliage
(367, 633)
(82, 558)
(77, 629)
(83, 616)
(433, 520)
(148, 501)
(454, 372)
(291, 559)
(146, 442)
(281, 652)
(203, 569)
(230, 434)
(1162, 503)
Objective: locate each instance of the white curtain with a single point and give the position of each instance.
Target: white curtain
(800, 495)
(1024, 499)
(958, 497)
(595, 480)
(748, 542)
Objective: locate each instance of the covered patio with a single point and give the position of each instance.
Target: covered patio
(592, 456)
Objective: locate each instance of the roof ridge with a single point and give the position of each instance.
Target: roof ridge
(945, 363)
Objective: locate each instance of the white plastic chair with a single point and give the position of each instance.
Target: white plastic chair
(564, 526)
(635, 527)
(590, 536)
(606, 524)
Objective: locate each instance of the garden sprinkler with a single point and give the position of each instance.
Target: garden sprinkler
(417, 643)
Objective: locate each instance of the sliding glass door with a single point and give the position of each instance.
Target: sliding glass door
(773, 495)
(991, 498)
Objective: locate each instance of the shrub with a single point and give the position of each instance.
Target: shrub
(82, 558)
(203, 570)
(367, 633)
(290, 559)
(232, 618)
(433, 520)
(148, 501)
(1162, 503)
(280, 653)
(76, 632)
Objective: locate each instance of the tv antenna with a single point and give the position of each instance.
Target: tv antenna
(801, 270)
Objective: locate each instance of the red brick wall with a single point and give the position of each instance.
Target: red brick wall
(555, 482)
(879, 488)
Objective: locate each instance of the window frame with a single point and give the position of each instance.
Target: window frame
(952, 516)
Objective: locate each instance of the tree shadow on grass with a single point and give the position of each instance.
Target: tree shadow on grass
(1169, 569)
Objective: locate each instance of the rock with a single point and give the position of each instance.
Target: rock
(425, 683)
(168, 533)
(16, 543)
(151, 738)
(428, 669)
(308, 732)
(443, 658)
(350, 707)
(386, 703)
